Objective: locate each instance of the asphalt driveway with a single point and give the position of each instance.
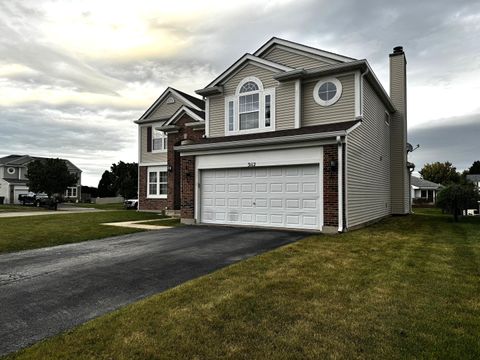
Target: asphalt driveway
(46, 291)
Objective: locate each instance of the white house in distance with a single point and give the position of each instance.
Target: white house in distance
(13, 180)
(424, 191)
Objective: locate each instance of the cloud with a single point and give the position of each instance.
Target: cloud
(74, 75)
(453, 139)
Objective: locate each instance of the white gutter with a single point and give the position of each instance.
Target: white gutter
(362, 75)
(340, 184)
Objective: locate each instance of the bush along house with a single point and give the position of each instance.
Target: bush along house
(288, 137)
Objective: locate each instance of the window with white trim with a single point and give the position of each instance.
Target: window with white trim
(251, 109)
(159, 141)
(71, 191)
(327, 91)
(157, 182)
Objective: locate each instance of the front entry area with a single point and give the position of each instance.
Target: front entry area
(271, 196)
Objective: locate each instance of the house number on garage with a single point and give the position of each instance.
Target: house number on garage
(252, 164)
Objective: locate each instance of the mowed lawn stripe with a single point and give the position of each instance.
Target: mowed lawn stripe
(22, 233)
(406, 287)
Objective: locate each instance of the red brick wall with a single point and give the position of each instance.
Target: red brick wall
(330, 186)
(188, 187)
(144, 203)
(175, 194)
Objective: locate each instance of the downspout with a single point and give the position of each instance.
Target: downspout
(362, 75)
(340, 184)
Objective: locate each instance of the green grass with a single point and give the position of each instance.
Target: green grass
(116, 206)
(21, 233)
(407, 287)
(19, 208)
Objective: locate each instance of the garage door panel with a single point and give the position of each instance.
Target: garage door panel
(285, 196)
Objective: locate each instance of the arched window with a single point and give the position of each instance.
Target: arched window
(251, 109)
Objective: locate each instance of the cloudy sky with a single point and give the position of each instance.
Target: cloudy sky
(75, 74)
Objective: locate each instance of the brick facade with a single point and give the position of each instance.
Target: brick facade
(188, 187)
(175, 194)
(330, 186)
(143, 202)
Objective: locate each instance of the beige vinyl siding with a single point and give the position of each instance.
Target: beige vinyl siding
(295, 59)
(165, 110)
(285, 106)
(149, 157)
(217, 116)
(342, 110)
(399, 173)
(217, 103)
(368, 164)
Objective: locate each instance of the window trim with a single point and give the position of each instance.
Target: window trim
(10, 170)
(72, 189)
(158, 170)
(333, 100)
(236, 106)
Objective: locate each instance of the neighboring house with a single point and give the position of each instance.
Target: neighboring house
(424, 191)
(13, 180)
(289, 136)
(475, 179)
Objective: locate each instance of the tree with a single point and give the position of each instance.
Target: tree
(122, 179)
(125, 179)
(475, 168)
(440, 173)
(455, 198)
(105, 186)
(49, 176)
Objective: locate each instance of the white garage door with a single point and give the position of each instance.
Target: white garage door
(283, 196)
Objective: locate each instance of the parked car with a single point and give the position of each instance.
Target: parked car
(38, 200)
(131, 204)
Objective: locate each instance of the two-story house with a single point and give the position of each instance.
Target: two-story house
(13, 179)
(290, 136)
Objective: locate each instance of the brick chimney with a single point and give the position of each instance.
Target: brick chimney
(400, 176)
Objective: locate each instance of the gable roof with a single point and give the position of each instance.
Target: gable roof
(191, 101)
(424, 184)
(23, 160)
(240, 62)
(7, 159)
(193, 113)
(297, 46)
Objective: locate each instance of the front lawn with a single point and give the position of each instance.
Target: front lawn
(115, 206)
(19, 208)
(21, 233)
(407, 287)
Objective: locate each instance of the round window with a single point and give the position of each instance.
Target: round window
(11, 170)
(327, 91)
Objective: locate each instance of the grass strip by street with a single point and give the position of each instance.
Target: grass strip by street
(115, 206)
(21, 233)
(406, 287)
(19, 208)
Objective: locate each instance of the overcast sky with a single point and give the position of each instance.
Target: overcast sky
(75, 74)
